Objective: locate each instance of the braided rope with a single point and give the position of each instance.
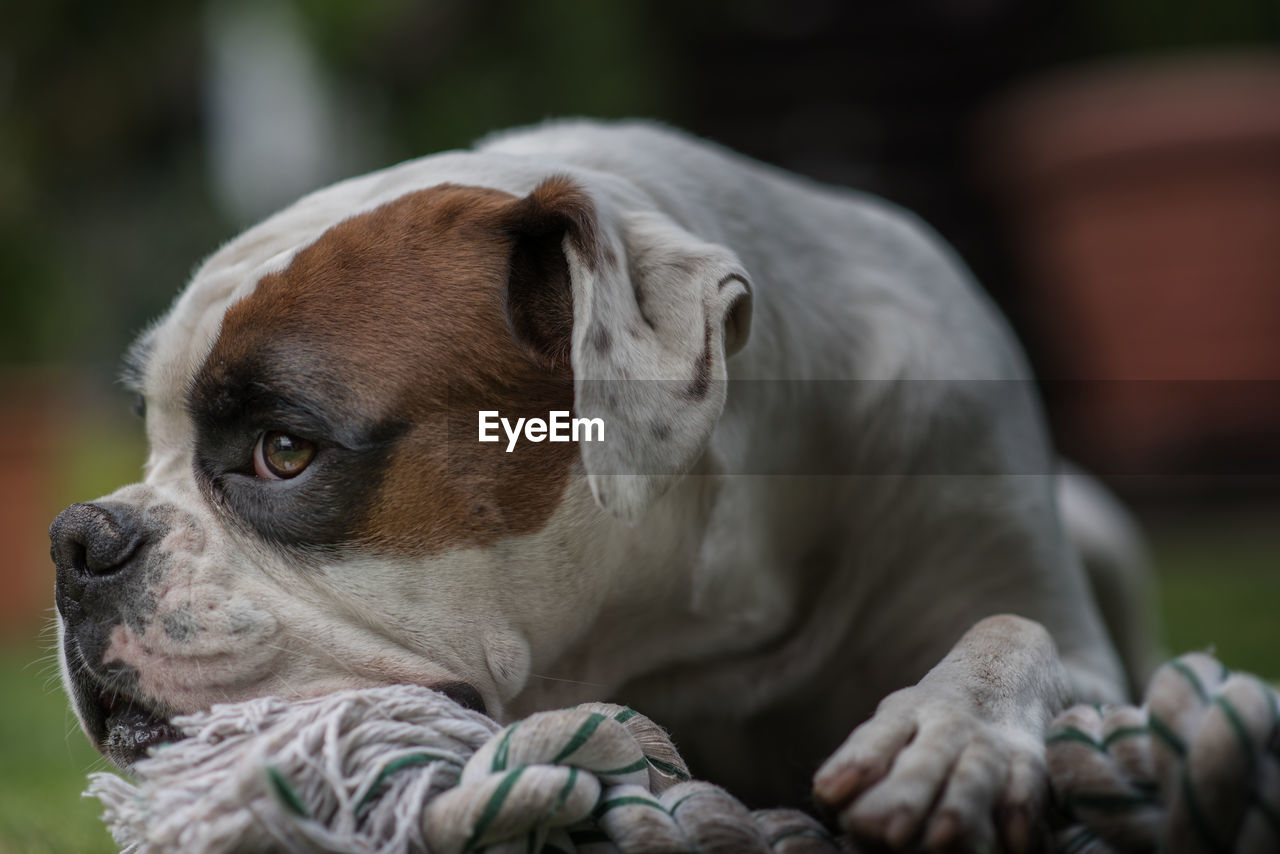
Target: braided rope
(403, 768)
(1195, 769)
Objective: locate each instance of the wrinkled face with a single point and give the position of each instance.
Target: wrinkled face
(317, 512)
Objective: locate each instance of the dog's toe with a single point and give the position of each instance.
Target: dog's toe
(894, 809)
(924, 771)
(963, 817)
(863, 760)
(1018, 816)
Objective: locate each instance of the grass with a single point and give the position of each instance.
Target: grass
(43, 763)
(1219, 590)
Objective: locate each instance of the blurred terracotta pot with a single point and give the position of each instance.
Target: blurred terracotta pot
(29, 423)
(1146, 201)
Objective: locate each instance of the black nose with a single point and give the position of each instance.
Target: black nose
(91, 541)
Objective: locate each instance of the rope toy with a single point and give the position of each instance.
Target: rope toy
(403, 768)
(1195, 769)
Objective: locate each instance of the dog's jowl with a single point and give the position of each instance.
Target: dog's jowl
(822, 536)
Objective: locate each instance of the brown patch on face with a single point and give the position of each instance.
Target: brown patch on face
(388, 335)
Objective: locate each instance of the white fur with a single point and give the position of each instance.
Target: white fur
(792, 603)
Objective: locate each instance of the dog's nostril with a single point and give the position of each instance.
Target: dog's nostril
(462, 694)
(93, 540)
(75, 553)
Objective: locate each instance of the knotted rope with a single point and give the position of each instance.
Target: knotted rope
(403, 768)
(1195, 769)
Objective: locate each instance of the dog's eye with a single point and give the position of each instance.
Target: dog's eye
(139, 406)
(278, 456)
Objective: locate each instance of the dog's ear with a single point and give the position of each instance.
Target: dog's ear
(551, 229)
(645, 313)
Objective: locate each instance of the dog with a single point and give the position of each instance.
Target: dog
(823, 536)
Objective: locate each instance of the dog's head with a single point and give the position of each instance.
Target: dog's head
(317, 511)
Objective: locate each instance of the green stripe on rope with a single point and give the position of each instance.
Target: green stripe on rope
(627, 801)
(1072, 734)
(1109, 803)
(1083, 837)
(493, 807)
(625, 715)
(638, 765)
(1168, 736)
(285, 792)
(668, 768)
(1068, 734)
(581, 737)
(1123, 733)
(1237, 727)
(1272, 702)
(565, 790)
(1198, 819)
(1190, 676)
(409, 761)
(500, 753)
(680, 802)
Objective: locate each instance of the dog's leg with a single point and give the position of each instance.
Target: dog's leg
(1114, 557)
(957, 760)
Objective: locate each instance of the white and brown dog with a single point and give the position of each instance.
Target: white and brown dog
(825, 529)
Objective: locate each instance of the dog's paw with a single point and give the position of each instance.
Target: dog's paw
(927, 770)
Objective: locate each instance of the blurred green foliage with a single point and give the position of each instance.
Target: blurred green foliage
(101, 208)
(1139, 26)
(451, 72)
(105, 197)
(105, 200)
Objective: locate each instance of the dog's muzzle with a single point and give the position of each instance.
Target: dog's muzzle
(98, 551)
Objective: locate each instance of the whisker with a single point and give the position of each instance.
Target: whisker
(569, 681)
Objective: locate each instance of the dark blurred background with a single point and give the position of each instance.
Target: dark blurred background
(1110, 169)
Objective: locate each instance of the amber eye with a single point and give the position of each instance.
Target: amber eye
(278, 455)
